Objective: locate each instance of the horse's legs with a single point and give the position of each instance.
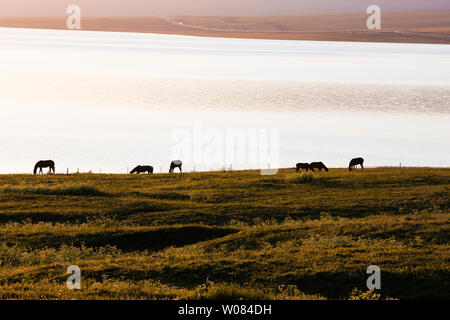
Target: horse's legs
(362, 168)
(180, 169)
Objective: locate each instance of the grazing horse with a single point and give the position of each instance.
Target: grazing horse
(355, 162)
(299, 166)
(44, 164)
(175, 164)
(317, 165)
(139, 169)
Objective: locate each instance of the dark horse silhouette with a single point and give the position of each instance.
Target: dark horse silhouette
(139, 169)
(175, 164)
(299, 166)
(355, 162)
(317, 165)
(44, 164)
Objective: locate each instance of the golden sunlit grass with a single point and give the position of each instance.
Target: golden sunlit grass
(399, 26)
(226, 235)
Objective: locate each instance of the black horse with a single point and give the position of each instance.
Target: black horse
(317, 165)
(175, 164)
(44, 164)
(304, 166)
(355, 162)
(139, 169)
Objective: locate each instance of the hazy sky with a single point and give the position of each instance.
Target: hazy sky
(20, 8)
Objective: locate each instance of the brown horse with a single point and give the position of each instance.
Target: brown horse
(139, 169)
(317, 165)
(175, 164)
(354, 162)
(299, 166)
(44, 164)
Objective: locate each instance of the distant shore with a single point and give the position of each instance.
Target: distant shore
(399, 27)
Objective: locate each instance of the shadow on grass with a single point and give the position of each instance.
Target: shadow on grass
(71, 190)
(338, 285)
(332, 285)
(153, 240)
(162, 196)
(33, 217)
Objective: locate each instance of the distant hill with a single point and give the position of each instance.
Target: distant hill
(406, 26)
(133, 8)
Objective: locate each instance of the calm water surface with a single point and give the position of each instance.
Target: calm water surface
(108, 101)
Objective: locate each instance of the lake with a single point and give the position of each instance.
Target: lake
(106, 102)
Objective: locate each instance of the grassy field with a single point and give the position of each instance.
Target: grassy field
(226, 235)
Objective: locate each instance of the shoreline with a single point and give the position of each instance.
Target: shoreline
(397, 27)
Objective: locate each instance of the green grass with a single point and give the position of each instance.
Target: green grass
(226, 235)
(69, 190)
